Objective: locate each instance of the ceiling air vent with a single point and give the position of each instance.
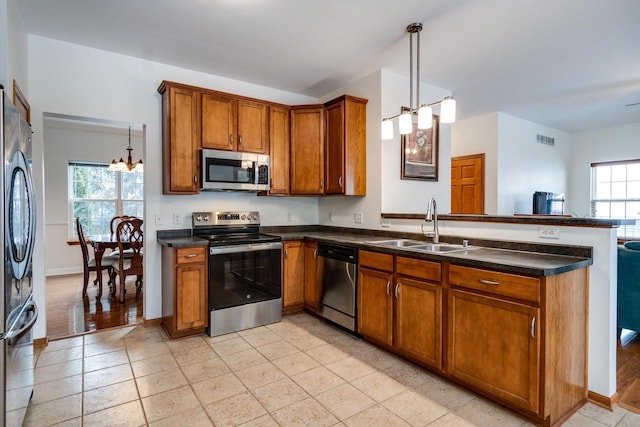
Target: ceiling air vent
(546, 140)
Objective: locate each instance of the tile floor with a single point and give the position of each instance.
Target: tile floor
(299, 372)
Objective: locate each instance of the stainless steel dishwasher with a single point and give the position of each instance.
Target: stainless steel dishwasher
(337, 277)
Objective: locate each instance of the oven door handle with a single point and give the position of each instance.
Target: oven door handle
(252, 247)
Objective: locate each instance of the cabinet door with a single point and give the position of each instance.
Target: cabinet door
(418, 325)
(375, 305)
(494, 345)
(307, 151)
(279, 150)
(219, 122)
(180, 141)
(253, 127)
(293, 292)
(334, 159)
(311, 288)
(191, 296)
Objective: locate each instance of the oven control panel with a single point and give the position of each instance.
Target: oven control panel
(206, 219)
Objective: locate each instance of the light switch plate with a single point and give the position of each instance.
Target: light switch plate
(357, 217)
(549, 232)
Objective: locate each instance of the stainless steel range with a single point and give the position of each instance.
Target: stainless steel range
(245, 271)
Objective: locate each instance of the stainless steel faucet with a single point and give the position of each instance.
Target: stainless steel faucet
(432, 216)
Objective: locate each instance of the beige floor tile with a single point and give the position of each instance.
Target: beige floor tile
(58, 356)
(415, 409)
(276, 350)
(407, 374)
(169, 403)
(295, 363)
(485, 413)
(307, 342)
(262, 337)
(327, 354)
(317, 380)
(376, 416)
(105, 337)
(218, 388)
(259, 375)
(307, 413)
(201, 371)
(451, 420)
(109, 396)
(377, 358)
(595, 412)
(143, 338)
(194, 354)
(378, 386)
(75, 422)
(279, 394)
(160, 382)
(235, 410)
(345, 401)
(219, 338)
(102, 347)
(154, 364)
(577, 420)
(230, 346)
(107, 376)
(350, 368)
(57, 371)
(54, 411)
(125, 415)
(56, 389)
(192, 418)
(629, 420)
(445, 393)
(251, 331)
(287, 330)
(182, 344)
(145, 351)
(263, 421)
(64, 343)
(243, 359)
(106, 360)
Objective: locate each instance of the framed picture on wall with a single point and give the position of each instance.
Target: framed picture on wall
(419, 155)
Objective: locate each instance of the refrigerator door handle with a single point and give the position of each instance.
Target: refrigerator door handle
(13, 337)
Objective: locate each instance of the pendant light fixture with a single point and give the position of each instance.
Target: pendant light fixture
(423, 111)
(129, 166)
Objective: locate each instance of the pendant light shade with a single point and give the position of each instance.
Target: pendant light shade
(425, 117)
(448, 110)
(129, 166)
(387, 129)
(404, 123)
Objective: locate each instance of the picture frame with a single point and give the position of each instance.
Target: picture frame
(419, 151)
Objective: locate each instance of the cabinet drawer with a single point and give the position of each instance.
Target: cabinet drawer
(421, 269)
(190, 255)
(510, 285)
(376, 260)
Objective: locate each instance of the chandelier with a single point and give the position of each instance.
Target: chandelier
(129, 166)
(423, 111)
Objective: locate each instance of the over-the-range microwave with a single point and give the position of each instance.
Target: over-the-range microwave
(234, 171)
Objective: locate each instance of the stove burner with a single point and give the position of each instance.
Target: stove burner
(230, 228)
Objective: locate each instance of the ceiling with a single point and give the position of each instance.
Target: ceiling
(568, 64)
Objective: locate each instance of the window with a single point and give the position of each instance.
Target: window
(615, 193)
(97, 194)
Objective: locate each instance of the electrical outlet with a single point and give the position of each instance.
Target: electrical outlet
(177, 219)
(357, 217)
(289, 217)
(549, 232)
(332, 217)
(159, 219)
(385, 223)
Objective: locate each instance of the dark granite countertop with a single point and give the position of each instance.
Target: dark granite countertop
(179, 239)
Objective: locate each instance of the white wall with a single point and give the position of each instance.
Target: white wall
(78, 81)
(526, 166)
(480, 135)
(599, 145)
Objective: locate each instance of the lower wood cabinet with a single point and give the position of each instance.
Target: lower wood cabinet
(311, 285)
(184, 290)
(293, 276)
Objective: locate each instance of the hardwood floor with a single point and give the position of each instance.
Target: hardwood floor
(68, 313)
(628, 372)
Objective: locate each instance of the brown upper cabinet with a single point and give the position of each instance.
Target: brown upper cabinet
(236, 124)
(346, 146)
(279, 150)
(307, 151)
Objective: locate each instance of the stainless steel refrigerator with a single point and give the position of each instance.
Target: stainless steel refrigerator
(18, 311)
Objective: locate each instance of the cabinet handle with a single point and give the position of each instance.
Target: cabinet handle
(230, 139)
(195, 179)
(286, 253)
(489, 282)
(315, 253)
(340, 182)
(191, 256)
(533, 327)
(240, 140)
(397, 290)
(322, 183)
(388, 284)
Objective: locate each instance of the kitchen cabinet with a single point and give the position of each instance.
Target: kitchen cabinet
(520, 339)
(294, 274)
(279, 150)
(231, 123)
(184, 290)
(399, 305)
(180, 139)
(307, 151)
(346, 146)
(311, 285)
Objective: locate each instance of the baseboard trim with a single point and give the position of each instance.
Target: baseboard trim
(41, 342)
(151, 322)
(609, 403)
(63, 271)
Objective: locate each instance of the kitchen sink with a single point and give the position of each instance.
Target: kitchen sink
(416, 245)
(441, 247)
(398, 243)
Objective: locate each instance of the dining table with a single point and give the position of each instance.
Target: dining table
(100, 243)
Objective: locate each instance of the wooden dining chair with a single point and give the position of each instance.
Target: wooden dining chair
(112, 228)
(129, 236)
(89, 264)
